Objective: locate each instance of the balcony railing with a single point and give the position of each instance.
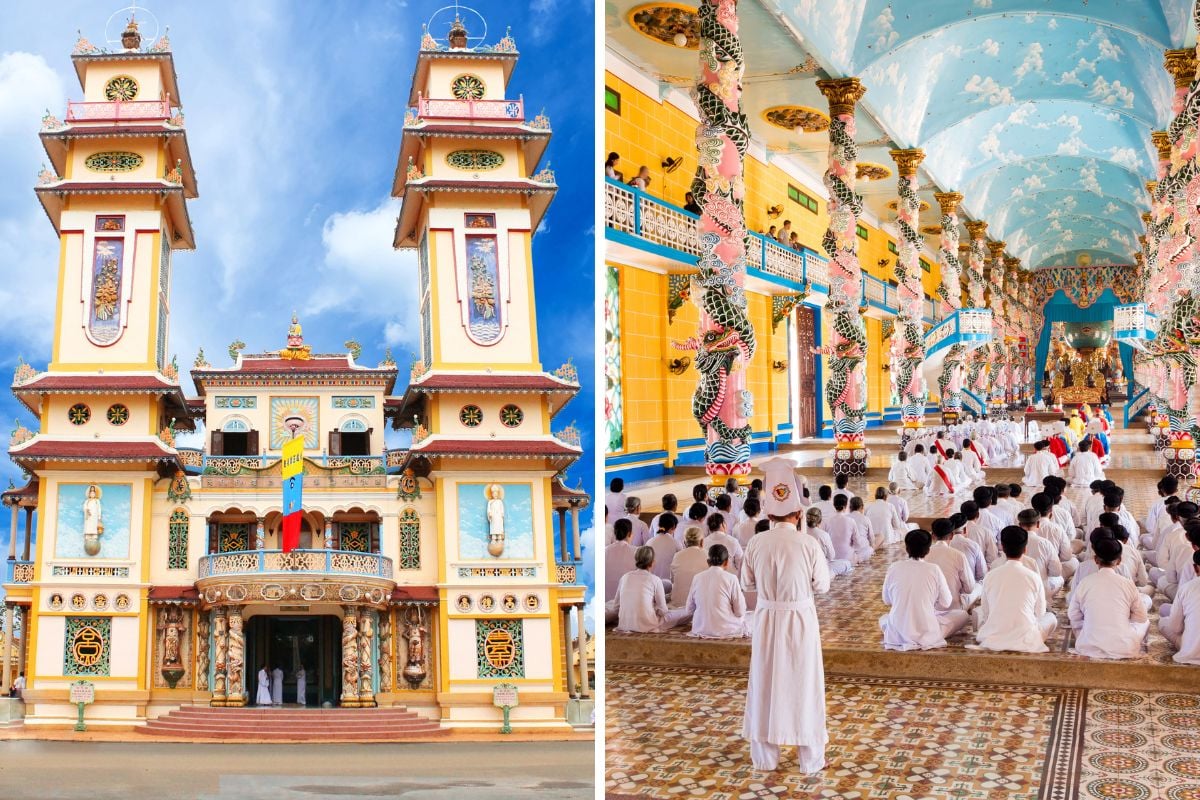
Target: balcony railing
(19, 572)
(311, 562)
(1134, 325)
(118, 110)
(972, 326)
(200, 461)
(514, 110)
(1137, 404)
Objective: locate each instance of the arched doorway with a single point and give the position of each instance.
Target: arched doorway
(291, 642)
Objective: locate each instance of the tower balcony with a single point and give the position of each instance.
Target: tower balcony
(119, 111)
(261, 562)
(967, 326)
(1134, 325)
(302, 576)
(508, 110)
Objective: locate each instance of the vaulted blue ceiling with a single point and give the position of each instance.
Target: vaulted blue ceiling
(1038, 111)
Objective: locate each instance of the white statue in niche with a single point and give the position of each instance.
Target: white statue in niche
(495, 515)
(93, 522)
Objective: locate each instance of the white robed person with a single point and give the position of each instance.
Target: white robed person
(301, 686)
(263, 696)
(277, 686)
(785, 696)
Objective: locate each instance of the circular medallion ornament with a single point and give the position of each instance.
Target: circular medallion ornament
(1117, 789)
(78, 602)
(1118, 762)
(467, 87)
(1117, 698)
(121, 87)
(1119, 716)
(1183, 742)
(1178, 701)
(470, 416)
(56, 601)
(100, 602)
(113, 161)
(463, 603)
(532, 602)
(669, 24)
(867, 171)
(797, 118)
(87, 646)
(475, 160)
(1119, 739)
(499, 648)
(509, 603)
(1181, 721)
(1189, 792)
(117, 414)
(121, 603)
(511, 416)
(487, 603)
(1188, 768)
(79, 414)
(781, 492)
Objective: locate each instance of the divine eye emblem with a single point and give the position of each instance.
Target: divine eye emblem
(467, 87)
(121, 87)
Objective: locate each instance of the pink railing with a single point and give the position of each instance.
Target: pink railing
(471, 109)
(118, 110)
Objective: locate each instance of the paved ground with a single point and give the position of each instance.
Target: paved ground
(37, 770)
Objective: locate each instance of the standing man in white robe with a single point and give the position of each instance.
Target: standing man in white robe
(277, 686)
(716, 601)
(301, 686)
(785, 697)
(263, 696)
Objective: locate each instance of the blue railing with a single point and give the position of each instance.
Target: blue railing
(329, 562)
(19, 572)
(1136, 405)
(965, 326)
(1134, 325)
(973, 403)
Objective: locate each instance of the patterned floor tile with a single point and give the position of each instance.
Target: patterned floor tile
(1140, 746)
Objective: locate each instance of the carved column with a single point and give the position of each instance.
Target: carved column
(220, 627)
(386, 657)
(725, 343)
(6, 662)
(235, 660)
(951, 380)
(201, 649)
(260, 537)
(908, 342)
(12, 534)
(978, 362)
(578, 556)
(568, 648)
(846, 381)
(581, 645)
(366, 659)
(350, 657)
(329, 533)
(999, 351)
(28, 532)
(1018, 324)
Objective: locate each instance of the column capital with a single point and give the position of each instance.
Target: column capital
(996, 248)
(948, 201)
(1012, 262)
(907, 161)
(1151, 187)
(1139, 257)
(1182, 66)
(842, 94)
(1162, 143)
(1146, 219)
(963, 249)
(977, 229)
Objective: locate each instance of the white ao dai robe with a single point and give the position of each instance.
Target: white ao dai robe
(886, 521)
(1108, 616)
(1012, 611)
(263, 696)
(1038, 466)
(1182, 627)
(717, 605)
(1085, 468)
(920, 618)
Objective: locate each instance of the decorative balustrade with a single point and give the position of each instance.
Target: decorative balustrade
(20, 572)
(118, 110)
(429, 108)
(1137, 404)
(1134, 325)
(395, 458)
(191, 457)
(329, 562)
(246, 465)
(567, 572)
(965, 326)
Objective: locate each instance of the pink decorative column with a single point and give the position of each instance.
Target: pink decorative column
(846, 381)
(998, 384)
(722, 405)
(908, 342)
(977, 370)
(950, 382)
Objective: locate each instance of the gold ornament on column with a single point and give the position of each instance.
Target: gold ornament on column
(1162, 143)
(1182, 66)
(842, 93)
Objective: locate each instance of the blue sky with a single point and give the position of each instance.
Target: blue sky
(294, 112)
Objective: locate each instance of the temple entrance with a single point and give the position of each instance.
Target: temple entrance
(290, 642)
(805, 419)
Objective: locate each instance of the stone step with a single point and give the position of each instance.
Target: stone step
(342, 724)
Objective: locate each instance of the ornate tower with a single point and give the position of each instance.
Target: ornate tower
(479, 401)
(116, 193)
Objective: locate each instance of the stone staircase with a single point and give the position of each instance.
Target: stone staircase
(288, 724)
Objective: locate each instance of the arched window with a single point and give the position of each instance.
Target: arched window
(410, 539)
(353, 425)
(235, 425)
(177, 540)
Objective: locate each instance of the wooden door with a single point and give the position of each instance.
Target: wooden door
(806, 371)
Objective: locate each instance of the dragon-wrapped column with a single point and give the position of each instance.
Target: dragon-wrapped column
(908, 342)
(950, 382)
(722, 405)
(846, 385)
(976, 265)
(997, 389)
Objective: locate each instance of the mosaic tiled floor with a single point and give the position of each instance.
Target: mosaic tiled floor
(1141, 746)
(676, 733)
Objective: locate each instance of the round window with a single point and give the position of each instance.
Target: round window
(118, 414)
(470, 416)
(511, 416)
(79, 414)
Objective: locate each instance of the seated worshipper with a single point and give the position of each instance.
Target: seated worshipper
(1033, 431)
(873, 535)
(1008, 495)
(824, 500)
(841, 481)
(901, 473)
(899, 502)
(972, 551)
(1114, 503)
(1051, 531)
(973, 460)
(922, 613)
(716, 601)
(734, 492)
(724, 506)
(641, 531)
(670, 504)
(1057, 485)
(641, 602)
(980, 531)
(848, 537)
(1178, 572)
(700, 494)
(1085, 466)
(618, 557)
(1044, 554)
(1180, 624)
(718, 535)
(1076, 424)
(884, 518)
(1106, 609)
(609, 538)
(812, 526)
(1012, 611)
(614, 498)
(1167, 486)
(686, 564)
(1171, 538)
(1164, 523)
(1040, 464)
(696, 515)
(941, 446)
(985, 498)
(752, 511)
(1093, 504)
(1132, 565)
(664, 546)
(920, 466)
(941, 481)
(955, 567)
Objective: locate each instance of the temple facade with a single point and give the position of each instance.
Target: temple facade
(425, 576)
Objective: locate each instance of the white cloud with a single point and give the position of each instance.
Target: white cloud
(539, 12)
(1108, 50)
(1070, 79)
(1088, 177)
(987, 90)
(1033, 183)
(1053, 24)
(1111, 208)
(990, 47)
(983, 3)
(886, 35)
(1126, 157)
(1111, 94)
(1032, 62)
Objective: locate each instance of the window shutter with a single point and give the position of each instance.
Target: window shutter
(252, 443)
(217, 448)
(335, 443)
